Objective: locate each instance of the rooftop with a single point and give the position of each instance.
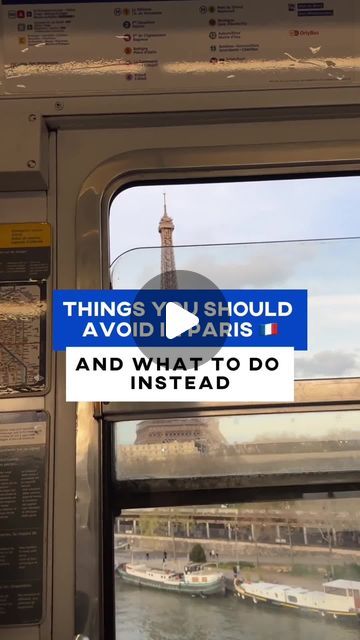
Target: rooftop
(343, 584)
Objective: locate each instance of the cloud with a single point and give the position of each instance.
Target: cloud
(326, 364)
(266, 266)
(228, 266)
(337, 311)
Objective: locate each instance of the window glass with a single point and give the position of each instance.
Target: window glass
(254, 570)
(240, 444)
(250, 561)
(249, 211)
(228, 570)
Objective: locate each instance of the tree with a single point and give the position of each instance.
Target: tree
(148, 525)
(197, 554)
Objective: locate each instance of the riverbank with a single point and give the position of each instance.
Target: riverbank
(257, 553)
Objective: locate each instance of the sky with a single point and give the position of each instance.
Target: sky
(258, 212)
(255, 211)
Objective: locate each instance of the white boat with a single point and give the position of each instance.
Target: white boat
(194, 580)
(339, 600)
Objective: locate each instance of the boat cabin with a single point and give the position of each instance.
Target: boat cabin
(195, 567)
(350, 588)
(343, 588)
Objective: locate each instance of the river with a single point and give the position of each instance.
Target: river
(147, 614)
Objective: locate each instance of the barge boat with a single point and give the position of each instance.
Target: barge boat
(339, 600)
(194, 580)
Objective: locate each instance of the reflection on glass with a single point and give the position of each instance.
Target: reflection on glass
(288, 569)
(245, 444)
(328, 269)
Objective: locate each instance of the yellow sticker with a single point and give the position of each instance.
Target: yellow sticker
(25, 234)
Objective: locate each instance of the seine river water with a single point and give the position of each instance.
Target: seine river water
(146, 614)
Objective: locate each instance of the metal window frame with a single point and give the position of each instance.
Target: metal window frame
(102, 496)
(151, 492)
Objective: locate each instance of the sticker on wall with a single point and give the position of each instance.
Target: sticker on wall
(25, 255)
(22, 530)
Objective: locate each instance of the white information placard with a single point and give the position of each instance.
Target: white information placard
(23, 481)
(190, 45)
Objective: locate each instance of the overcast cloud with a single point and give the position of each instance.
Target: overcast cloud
(327, 364)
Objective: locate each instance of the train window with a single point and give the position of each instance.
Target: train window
(262, 536)
(243, 445)
(328, 269)
(241, 570)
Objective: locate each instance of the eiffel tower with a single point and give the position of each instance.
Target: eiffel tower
(168, 271)
(204, 432)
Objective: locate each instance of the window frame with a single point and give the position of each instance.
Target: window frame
(318, 156)
(143, 489)
(308, 392)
